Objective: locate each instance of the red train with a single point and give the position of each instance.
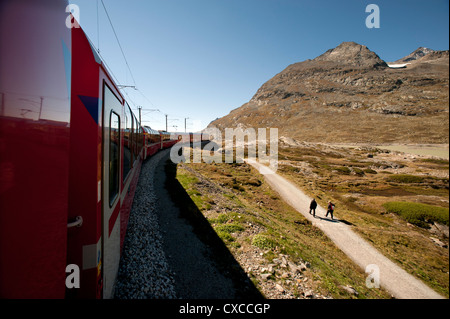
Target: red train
(71, 151)
(156, 140)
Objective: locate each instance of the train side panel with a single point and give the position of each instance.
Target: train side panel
(71, 154)
(103, 172)
(35, 71)
(84, 245)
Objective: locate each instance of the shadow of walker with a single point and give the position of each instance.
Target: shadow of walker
(335, 220)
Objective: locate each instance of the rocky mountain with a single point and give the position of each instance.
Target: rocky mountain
(351, 52)
(417, 54)
(350, 95)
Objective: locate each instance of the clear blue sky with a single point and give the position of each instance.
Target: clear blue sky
(203, 58)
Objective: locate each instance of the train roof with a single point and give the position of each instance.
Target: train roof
(149, 130)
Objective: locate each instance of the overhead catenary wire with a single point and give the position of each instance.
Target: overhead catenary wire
(123, 54)
(98, 30)
(118, 42)
(122, 87)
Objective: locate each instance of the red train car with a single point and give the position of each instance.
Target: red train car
(71, 153)
(155, 141)
(105, 160)
(152, 141)
(168, 139)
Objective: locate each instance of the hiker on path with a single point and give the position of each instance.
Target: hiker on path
(312, 207)
(330, 209)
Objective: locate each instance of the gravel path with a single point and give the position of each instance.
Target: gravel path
(393, 278)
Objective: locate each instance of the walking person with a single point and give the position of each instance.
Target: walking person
(330, 209)
(312, 207)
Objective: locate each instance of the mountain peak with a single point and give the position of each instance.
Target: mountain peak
(348, 95)
(417, 54)
(352, 53)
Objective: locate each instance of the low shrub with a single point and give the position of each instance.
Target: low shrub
(435, 161)
(406, 179)
(344, 170)
(421, 215)
(226, 237)
(221, 219)
(248, 180)
(263, 242)
(229, 228)
(370, 171)
(358, 171)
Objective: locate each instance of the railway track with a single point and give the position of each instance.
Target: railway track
(144, 272)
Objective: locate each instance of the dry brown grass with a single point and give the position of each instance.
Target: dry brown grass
(339, 175)
(258, 217)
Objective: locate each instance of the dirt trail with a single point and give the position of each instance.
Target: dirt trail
(393, 278)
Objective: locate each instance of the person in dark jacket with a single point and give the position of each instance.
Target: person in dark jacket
(330, 209)
(312, 207)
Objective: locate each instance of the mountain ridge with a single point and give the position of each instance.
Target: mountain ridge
(351, 84)
(416, 54)
(352, 51)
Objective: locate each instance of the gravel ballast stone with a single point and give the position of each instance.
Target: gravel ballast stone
(144, 272)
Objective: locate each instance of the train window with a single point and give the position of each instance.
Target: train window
(132, 138)
(114, 157)
(141, 138)
(127, 157)
(135, 140)
(157, 137)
